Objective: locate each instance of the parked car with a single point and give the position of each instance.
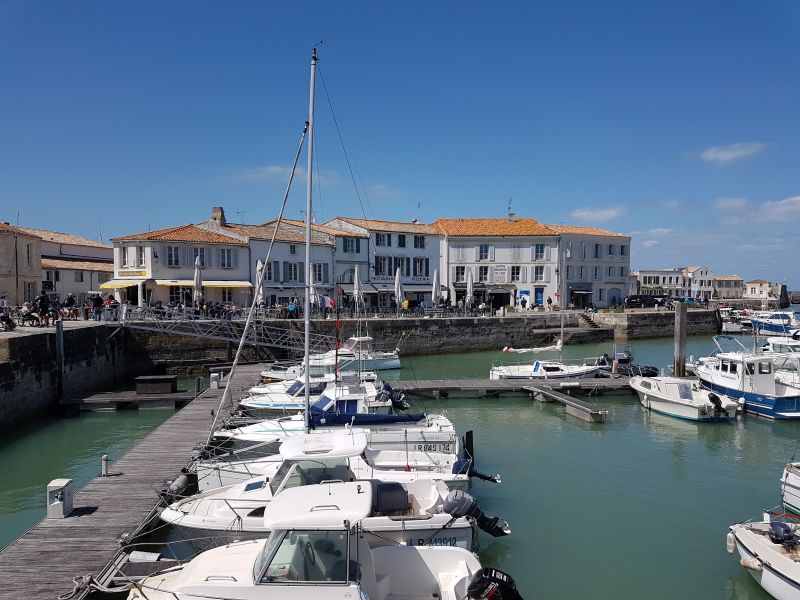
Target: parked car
(640, 301)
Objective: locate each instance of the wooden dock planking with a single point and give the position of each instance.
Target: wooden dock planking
(41, 564)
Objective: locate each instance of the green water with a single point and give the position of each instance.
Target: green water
(36, 453)
(637, 507)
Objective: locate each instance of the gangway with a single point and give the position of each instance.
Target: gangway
(185, 323)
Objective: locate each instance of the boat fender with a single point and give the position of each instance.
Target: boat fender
(178, 485)
(459, 504)
(730, 542)
(750, 563)
(488, 583)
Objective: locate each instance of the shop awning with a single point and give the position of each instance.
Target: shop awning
(227, 284)
(206, 283)
(115, 284)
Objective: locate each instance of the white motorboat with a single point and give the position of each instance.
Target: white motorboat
(682, 398)
(317, 549)
(544, 369)
(766, 384)
(782, 345)
(334, 448)
(348, 387)
(783, 322)
(790, 487)
(770, 552)
(411, 510)
(355, 354)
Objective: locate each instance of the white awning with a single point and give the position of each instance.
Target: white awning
(224, 284)
(114, 284)
(206, 283)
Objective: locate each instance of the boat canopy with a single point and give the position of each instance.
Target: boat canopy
(322, 506)
(335, 444)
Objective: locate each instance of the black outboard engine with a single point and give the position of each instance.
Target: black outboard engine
(467, 465)
(461, 504)
(783, 534)
(717, 403)
(398, 399)
(488, 583)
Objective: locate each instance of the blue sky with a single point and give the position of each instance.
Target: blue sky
(675, 122)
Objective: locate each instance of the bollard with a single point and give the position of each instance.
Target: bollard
(198, 386)
(104, 465)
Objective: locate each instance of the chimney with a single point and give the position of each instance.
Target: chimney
(217, 216)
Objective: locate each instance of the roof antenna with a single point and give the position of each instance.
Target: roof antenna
(510, 214)
(100, 234)
(241, 214)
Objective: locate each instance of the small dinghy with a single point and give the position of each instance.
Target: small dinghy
(770, 552)
(682, 398)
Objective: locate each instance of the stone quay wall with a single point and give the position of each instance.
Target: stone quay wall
(644, 324)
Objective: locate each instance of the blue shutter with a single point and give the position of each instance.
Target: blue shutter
(427, 267)
(358, 245)
(325, 273)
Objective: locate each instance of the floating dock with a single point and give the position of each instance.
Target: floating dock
(484, 388)
(41, 563)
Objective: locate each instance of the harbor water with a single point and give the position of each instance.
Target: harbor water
(635, 507)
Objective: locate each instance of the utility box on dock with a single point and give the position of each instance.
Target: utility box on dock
(59, 498)
(214, 381)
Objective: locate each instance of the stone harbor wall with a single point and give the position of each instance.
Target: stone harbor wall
(633, 325)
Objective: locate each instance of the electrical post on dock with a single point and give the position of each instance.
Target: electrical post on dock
(679, 353)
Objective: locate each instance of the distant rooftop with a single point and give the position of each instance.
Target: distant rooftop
(58, 237)
(390, 226)
(492, 227)
(183, 233)
(18, 230)
(574, 229)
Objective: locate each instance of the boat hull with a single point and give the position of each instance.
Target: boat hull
(759, 404)
(790, 489)
(777, 584)
(679, 411)
(527, 373)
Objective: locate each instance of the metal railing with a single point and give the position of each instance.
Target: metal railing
(228, 328)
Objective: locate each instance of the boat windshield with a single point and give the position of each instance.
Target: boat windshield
(350, 345)
(297, 388)
(314, 556)
(294, 473)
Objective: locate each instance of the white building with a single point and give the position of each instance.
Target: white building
(694, 282)
(757, 289)
(72, 264)
(20, 265)
(382, 247)
(596, 266)
(158, 266)
(509, 259)
(701, 282)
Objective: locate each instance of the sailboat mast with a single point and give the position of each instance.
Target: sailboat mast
(309, 271)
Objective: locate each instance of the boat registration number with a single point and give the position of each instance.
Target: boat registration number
(437, 541)
(443, 448)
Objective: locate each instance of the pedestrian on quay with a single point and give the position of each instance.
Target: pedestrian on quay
(549, 303)
(523, 302)
(43, 305)
(3, 304)
(97, 307)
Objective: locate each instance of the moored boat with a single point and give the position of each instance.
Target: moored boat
(770, 552)
(544, 369)
(682, 398)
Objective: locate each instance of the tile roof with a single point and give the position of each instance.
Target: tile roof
(18, 230)
(183, 233)
(391, 226)
(319, 228)
(287, 232)
(77, 265)
(584, 230)
(728, 277)
(492, 227)
(757, 281)
(65, 238)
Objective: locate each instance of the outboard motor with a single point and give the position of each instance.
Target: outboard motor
(783, 534)
(488, 583)
(469, 449)
(399, 401)
(461, 504)
(717, 403)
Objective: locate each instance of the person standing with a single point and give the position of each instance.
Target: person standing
(97, 307)
(43, 304)
(549, 303)
(523, 302)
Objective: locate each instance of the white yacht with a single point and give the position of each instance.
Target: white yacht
(544, 369)
(770, 552)
(790, 487)
(682, 398)
(317, 549)
(333, 449)
(783, 322)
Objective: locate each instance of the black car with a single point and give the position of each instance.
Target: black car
(644, 301)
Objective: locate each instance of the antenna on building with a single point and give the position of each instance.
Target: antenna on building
(511, 215)
(241, 214)
(100, 234)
